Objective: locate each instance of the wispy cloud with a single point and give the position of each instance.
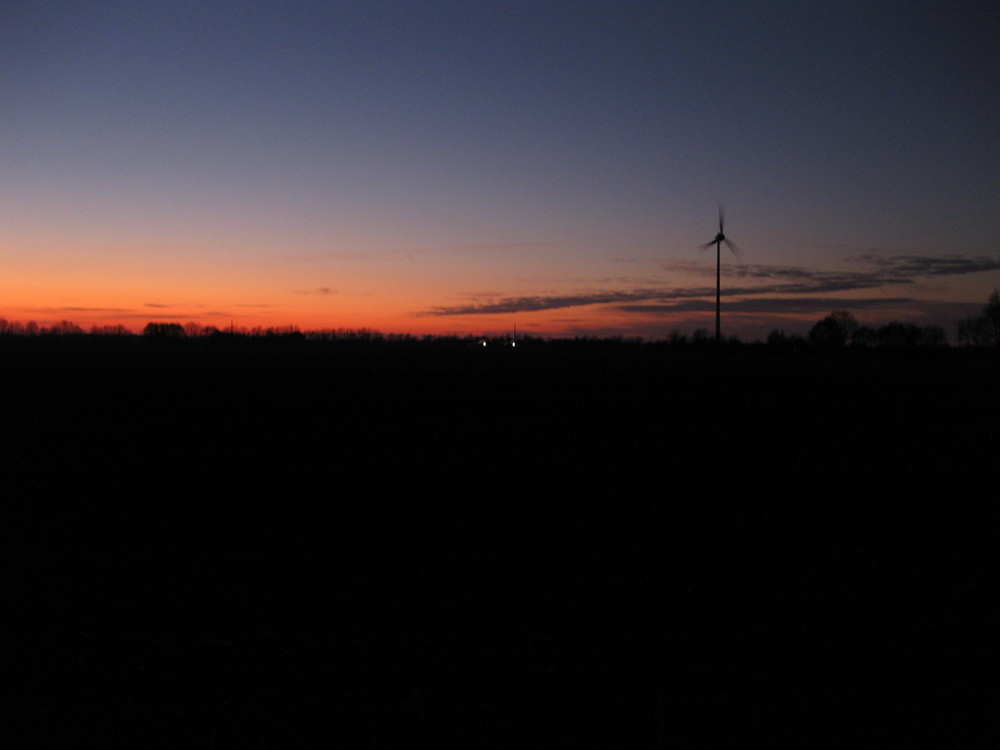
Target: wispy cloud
(533, 304)
(323, 291)
(775, 305)
(920, 265)
(50, 310)
(876, 271)
(798, 280)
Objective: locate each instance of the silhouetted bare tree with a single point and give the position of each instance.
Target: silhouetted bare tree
(992, 314)
(835, 330)
(64, 327)
(781, 341)
(163, 331)
(897, 335)
(982, 330)
(700, 337)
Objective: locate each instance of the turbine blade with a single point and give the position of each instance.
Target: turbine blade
(707, 245)
(733, 248)
(722, 217)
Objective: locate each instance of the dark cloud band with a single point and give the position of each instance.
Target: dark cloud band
(785, 280)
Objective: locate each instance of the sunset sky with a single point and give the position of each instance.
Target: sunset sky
(462, 167)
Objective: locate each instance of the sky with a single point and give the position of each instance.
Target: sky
(465, 167)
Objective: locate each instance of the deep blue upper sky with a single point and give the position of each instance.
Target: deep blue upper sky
(456, 156)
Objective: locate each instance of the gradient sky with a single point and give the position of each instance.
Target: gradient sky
(461, 167)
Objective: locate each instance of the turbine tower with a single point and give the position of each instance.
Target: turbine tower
(719, 239)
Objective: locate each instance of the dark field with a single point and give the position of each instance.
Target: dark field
(290, 544)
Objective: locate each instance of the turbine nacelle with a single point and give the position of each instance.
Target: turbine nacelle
(720, 238)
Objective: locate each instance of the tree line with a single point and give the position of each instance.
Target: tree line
(61, 328)
(982, 330)
(838, 330)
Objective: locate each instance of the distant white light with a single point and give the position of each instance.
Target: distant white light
(484, 343)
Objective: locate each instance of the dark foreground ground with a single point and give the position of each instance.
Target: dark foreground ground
(291, 545)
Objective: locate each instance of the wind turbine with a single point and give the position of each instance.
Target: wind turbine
(719, 239)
